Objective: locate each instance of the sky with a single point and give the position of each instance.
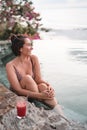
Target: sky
(61, 2)
(62, 13)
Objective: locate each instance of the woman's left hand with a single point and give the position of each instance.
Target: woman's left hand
(51, 91)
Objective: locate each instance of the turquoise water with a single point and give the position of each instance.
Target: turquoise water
(64, 65)
(3, 51)
(3, 77)
(64, 57)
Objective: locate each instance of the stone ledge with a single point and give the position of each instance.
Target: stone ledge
(7, 100)
(36, 118)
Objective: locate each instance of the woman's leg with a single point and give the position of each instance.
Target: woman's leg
(28, 83)
(42, 87)
(52, 102)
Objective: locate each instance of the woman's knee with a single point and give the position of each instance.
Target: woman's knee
(25, 80)
(28, 83)
(42, 87)
(27, 77)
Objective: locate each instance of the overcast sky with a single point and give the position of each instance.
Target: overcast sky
(62, 2)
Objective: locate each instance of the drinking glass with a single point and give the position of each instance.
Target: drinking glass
(21, 107)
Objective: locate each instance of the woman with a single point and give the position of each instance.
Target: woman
(24, 74)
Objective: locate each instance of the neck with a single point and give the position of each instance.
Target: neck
(23, 58)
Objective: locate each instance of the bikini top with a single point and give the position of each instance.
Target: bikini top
(19, 76)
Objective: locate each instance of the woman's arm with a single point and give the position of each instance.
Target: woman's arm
(12, 78)
(37, 70)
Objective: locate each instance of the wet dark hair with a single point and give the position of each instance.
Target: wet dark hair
(17, 43)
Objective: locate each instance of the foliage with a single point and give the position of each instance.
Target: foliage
(18, 16)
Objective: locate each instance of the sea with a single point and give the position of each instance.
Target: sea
(62, 54)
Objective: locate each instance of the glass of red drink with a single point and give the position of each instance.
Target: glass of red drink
(21, 107)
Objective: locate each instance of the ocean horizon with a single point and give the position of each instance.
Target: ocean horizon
(64, 18)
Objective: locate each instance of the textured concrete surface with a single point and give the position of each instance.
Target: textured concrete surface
(36, 118)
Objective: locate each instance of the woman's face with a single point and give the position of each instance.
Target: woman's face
(27, 47)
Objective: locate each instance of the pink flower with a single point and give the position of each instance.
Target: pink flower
(36, 36)
(29, 15)
(9, 3)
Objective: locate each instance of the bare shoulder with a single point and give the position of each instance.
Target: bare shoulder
(34, 57)
(10, 64)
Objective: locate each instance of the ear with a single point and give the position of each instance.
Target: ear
(21, 50)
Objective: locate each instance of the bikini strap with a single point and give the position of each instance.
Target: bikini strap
(32, 67)
(19, 77)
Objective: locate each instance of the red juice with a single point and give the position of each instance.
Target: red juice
(21, 109)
